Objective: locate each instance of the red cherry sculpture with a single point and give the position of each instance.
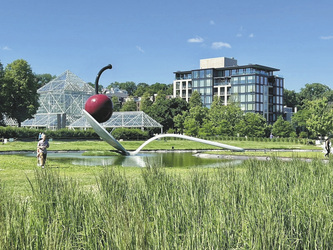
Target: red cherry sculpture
(100, 107)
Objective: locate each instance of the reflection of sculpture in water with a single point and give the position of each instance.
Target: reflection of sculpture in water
(98, 108)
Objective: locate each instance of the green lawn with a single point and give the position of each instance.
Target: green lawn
(98, 145)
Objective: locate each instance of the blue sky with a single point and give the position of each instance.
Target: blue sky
(146, 41)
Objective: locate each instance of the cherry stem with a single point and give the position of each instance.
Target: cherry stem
(98, 76)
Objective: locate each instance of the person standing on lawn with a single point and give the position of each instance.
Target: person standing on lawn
(328, 147)
(42, 146)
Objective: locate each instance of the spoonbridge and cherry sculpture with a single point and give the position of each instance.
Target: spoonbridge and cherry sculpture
(99, 108)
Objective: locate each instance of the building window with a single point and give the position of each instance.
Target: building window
(196, 74)
(208, 82)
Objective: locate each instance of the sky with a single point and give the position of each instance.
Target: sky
(148, 40)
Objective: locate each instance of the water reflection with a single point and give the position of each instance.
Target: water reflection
(166, 159)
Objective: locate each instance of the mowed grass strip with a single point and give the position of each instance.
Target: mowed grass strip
(163, 144)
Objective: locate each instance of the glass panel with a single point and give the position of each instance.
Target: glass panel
(202, 73)
(242, 89)
(250, 88)
(196, 74)
(208, 73)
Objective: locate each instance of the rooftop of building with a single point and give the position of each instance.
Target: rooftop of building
(225, 63)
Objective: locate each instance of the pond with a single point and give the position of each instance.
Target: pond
(166, 159)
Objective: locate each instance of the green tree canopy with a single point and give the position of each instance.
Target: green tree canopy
(129, 105)
(130, 87)
(283, 128)
(252, 125)
(2, 110)
(43, 79)
(290, 98)
(320, 119)
(195, 100)
(116, 104)
(146, 102)
(141, 88)
(19, 90)
(313, 91)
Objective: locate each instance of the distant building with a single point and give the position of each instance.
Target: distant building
(253, 86)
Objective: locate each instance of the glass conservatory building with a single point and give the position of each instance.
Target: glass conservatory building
(255, 87)
(61, 102)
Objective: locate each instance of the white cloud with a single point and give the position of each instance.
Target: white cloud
(140, 49)
(197, 39)
(219, 45)
(239, 35)
(251, 35)
(6, 48)
(212, 22)
(326, 37)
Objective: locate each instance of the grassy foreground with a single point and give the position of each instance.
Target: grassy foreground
(259, 205)
(255, 205)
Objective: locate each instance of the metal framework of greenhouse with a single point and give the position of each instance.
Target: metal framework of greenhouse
(61, 102)
(129, 119)
(61, 105)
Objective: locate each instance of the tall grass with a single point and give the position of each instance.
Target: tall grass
(260, 205)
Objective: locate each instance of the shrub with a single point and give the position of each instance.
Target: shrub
(130, 134)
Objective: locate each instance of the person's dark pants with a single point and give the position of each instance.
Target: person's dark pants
(43, 158)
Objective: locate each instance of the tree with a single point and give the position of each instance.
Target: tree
(320, 120)
(252, 124)
(179, 121)
(283, 128)
(116, 104)
(19, 90)
(290, 98)
(224, 118)
(130, 105)
(195, 100)
(2, 110)
(141, 88)
(194, 120)
(43, 79)
(130, 87)
(313, 91)
(146, 103)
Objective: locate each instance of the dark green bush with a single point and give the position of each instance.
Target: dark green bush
(130, 134)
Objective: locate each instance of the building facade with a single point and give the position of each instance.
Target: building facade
(255, 87)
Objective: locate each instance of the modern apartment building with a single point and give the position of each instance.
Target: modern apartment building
(253, 86)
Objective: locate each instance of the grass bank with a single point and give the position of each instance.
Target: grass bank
(164, 144)
(257, 205)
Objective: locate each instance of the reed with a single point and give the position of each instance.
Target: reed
(258, 205)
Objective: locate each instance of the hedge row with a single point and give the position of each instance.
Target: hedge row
(32, 133)
(120, 133)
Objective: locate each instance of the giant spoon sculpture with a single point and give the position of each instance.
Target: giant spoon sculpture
(99, 109)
